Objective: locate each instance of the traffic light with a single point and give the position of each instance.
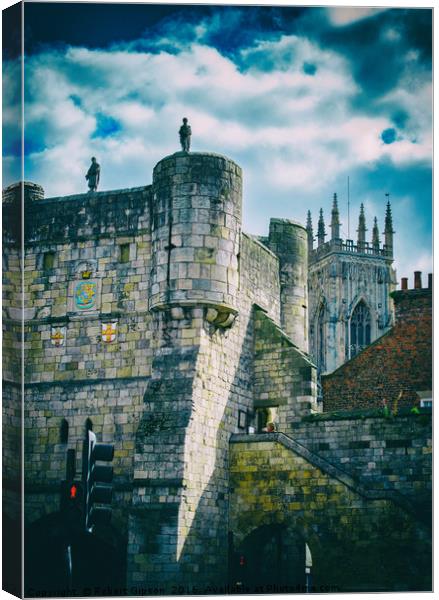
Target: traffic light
(72, 503)
(72, 497)
(98, 481)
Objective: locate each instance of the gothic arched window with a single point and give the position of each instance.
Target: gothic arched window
(360, 329)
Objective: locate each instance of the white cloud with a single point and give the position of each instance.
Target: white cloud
(344, 15)
(291, 128)
(303, 121)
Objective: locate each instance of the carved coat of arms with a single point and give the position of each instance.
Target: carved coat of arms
(85, 295)
(109, 332)
(58, 336)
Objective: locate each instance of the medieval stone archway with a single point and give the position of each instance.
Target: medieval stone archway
(276, 558)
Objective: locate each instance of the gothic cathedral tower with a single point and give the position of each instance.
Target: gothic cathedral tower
(349, 286)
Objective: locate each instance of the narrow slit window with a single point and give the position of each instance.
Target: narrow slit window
(64, 432)
(124, 253)
(48, 260)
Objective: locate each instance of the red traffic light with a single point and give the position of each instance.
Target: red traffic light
(73, 491)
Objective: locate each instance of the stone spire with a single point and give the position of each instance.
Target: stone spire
(309, 231)
(388, 229)
(335, 220)
(321, 233)
(361, 240)
(375, 236)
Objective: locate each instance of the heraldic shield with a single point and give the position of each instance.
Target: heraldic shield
(109, 332)
(85, 295)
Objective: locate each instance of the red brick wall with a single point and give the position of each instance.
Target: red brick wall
(401, 360)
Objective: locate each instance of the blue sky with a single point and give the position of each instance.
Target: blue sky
(301, 98)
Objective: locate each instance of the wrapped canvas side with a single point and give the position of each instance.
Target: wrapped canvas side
(12, 302)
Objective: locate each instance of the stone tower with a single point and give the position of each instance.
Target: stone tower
(288, 240)
(154, 319)
(188, 412)
(349, 286)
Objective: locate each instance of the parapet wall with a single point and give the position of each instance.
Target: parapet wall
(384, 453)
(87, 216)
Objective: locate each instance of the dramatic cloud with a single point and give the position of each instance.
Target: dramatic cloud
(344, 15)
(298, 98)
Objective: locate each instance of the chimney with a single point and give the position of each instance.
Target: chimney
(404, 282)
(430, 281)
(418, 282)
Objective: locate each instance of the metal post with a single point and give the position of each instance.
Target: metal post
(87, 447)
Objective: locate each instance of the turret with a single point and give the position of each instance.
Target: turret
(335, 220)
(388, 231)
(321, 233)
(375, 237)
(361, 240)
(309, 232)
(288, 240)
(196, 211)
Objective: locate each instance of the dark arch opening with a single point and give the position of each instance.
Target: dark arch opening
(88, 425)
(269, 558)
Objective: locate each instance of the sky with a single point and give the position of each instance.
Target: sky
(301, 98)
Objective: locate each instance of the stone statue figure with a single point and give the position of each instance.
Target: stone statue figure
(93, 175)
(185, 136)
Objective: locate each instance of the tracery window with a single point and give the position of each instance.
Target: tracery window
(359, 329)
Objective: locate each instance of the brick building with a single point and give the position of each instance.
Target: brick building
(397, 367)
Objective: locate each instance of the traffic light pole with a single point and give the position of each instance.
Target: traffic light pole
(87, 449)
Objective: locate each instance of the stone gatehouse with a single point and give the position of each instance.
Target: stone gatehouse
(150, 316)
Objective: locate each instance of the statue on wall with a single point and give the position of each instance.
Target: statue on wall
(93, 175)
(185, 136)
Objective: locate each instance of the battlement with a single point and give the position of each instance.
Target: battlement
(348, 247)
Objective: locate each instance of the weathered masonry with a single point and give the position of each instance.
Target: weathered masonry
(152, 317)
(349, 285)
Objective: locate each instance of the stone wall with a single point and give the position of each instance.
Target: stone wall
(201, 391)
(359, 540)
(74, 369)
(140, 312)
(388, 453)
(149, 312)
(284, 377)
(395, 367)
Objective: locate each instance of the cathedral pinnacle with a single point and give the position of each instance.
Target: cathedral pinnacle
(361, 229)
(335, 220)
(321, 233)
(388, 229)
(375, 236)
(388, 223)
